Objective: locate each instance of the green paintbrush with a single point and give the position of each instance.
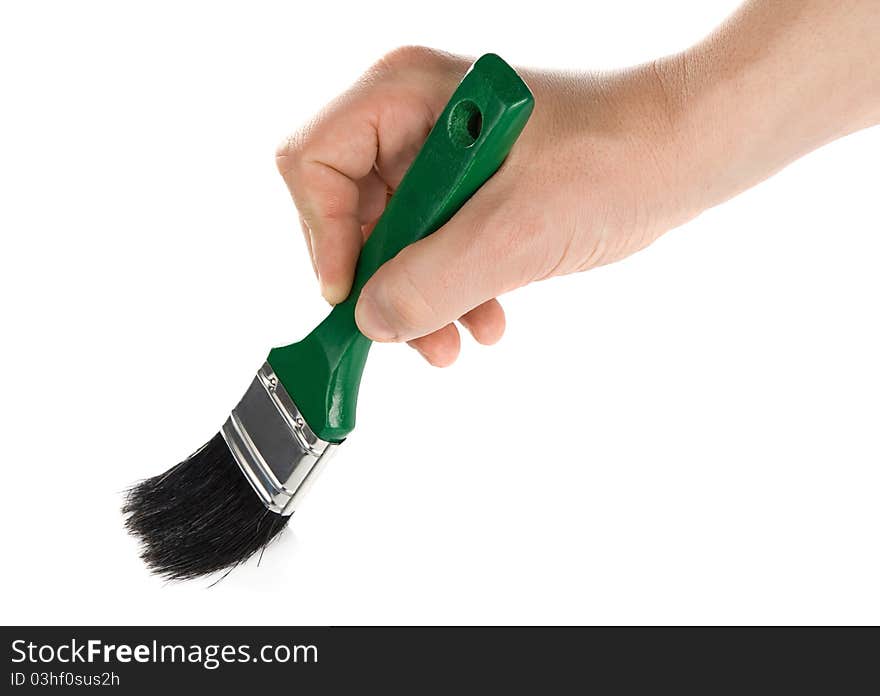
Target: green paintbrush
(230, 498)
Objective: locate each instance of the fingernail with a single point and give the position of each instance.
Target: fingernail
(311, 245)
(334, 294)
(371, 321)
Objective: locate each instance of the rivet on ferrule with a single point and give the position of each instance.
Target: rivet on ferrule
(275, 448)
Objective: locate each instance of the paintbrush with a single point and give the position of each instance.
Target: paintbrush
(235, 494)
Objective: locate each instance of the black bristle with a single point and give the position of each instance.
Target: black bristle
(200, 516)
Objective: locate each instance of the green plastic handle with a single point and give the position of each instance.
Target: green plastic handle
(468, 143)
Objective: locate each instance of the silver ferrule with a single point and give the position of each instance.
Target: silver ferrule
(277, 451)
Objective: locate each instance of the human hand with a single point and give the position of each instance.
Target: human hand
(607, 163)
(585, 185)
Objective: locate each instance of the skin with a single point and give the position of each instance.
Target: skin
(607, 164)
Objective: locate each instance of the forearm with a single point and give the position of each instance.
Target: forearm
(779, 79)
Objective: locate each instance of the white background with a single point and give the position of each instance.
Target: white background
(688, 436)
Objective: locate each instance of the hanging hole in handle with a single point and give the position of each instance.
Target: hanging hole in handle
(465, 123)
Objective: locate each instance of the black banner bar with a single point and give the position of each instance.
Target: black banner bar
(416, 660)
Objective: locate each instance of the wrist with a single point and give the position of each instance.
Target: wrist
(727, 129)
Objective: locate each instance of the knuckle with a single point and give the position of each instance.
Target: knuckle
(408, 304)
(416, 66)
(289, 152)
(404, 57)
(330, 205)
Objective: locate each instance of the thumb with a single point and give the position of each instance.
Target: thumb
(436, 280)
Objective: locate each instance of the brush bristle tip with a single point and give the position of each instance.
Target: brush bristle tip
(199, 517)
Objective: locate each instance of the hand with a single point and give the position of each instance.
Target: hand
(585, 185)
(607, 163)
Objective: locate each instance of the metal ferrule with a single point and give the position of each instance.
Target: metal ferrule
(273, 445)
